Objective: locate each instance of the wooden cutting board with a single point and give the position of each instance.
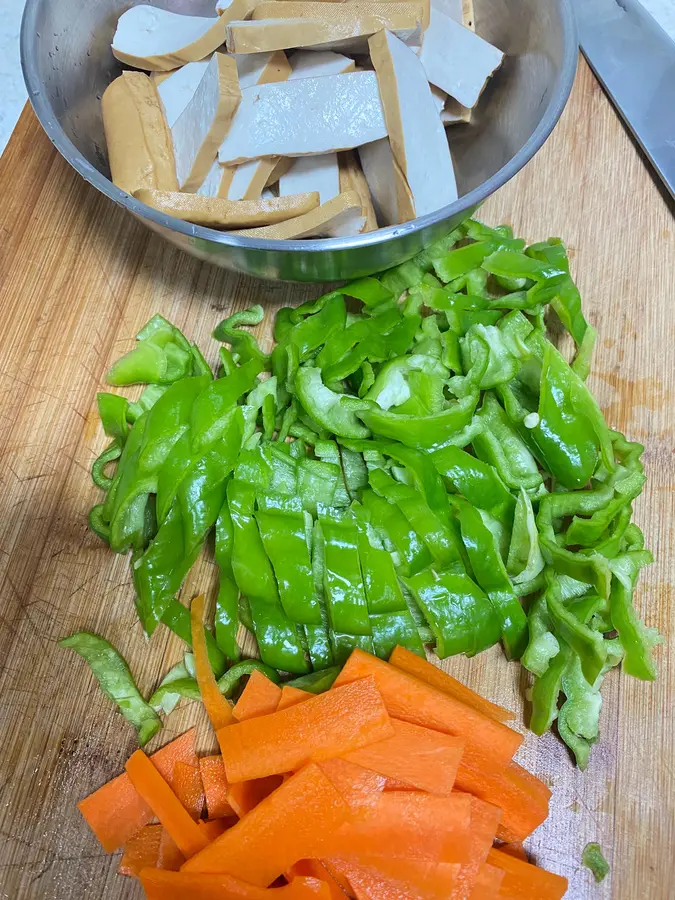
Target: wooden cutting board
(78, 277)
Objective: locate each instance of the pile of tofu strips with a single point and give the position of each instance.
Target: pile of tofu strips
(286, 119)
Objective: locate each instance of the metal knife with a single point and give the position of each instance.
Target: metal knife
(634, 59)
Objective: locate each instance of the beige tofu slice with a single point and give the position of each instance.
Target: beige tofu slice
(385, 180)
(140, 152)
(340, 217)
(148, 37)
(235, 9)
(348, 33)
(215, 212)
(250, 178)
(351, 11)
(353, 179)
(417, 137)
(450, 111)
(205, 120)
(312, 173)
(177, 88)
(216, 182)
(305, 116)
(456, 59)
(281, 166)
(315, 63)
(262, 68)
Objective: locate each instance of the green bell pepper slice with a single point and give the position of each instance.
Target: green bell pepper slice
(316, 682)
(500, 445)
(334, 412)
(476, 480)
(387, 519)
(244, 346)
(636, 639)
(343, 584)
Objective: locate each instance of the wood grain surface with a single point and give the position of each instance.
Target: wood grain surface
(78, 277)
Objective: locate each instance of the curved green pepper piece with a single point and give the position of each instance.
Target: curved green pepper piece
(334, 412)
(500, 445)
(110, 454)
(588, 645)
(343, 583)
(395, 629)
(316, 682)
(422, 432)
(112, 410)
(525, 560)
(387, 519)
(244, 345)
(211, 409)
(637, 640)
(546, 692)
(476, 480)
(228, 682)
(116, 681)
(226, 620)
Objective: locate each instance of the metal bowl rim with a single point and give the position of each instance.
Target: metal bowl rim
(471, 200)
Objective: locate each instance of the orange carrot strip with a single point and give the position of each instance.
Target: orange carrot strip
(314, 868)
(515, 849)
(246, 795)
(170, 857)
(408, 825)
(116, 811)
(165, 804)
(487, 884)
(328, 725)
(160, 885)
(484, 821)
(356, 784)
(393, 784)
(287, 826)
(426, 759)
(141, 851)
(522, 797)
(260, 697)
(290, 696)
(397, 879)
(213, 828)
(215, 787)
(489, 744)
(217, 707)
(188, 787)
(523, 881)
(420, 668)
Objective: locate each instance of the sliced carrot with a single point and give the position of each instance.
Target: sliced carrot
(408, 825)
(170, 857)
(515, 849)
(420, 757)
(188, 787)
(393, 784)
(487, 884)
(260, 697)
(356, 784)
(160, 885)
(484, 821)
(165, 804)
(246, 795)
(141, 851)
(289, 825)
(420, 668)
(217, 707)
(116, 811)
(290, 696)
(522, 797)
(490, 745)
(213, 828)
(314, 868)
(394, 879)
(215, 786)
(328, 725)
(523, 881)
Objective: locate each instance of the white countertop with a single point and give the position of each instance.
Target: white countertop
(13, 94)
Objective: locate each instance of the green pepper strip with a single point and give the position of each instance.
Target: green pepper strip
(476, 480)
(244, 346)
(278, 638)
(388, 520)
(177, 618)
(500, 445)
(343, 583)
(316, 682)
(589, 646)
(110, 454)
(112, 410)
(228, 682)
(423, 432)
(592, 857)
(116, 681)
(637, 640)
(334, 412)
(227, 605)
(525, 560)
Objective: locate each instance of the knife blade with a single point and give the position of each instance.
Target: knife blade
(634, 60)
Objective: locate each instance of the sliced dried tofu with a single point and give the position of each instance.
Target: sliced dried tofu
(281, 166)
(262, 68)
(456, 59)
(137, 137)
(384, 178)
(235, 9)
(417, 137)
(312, 173)
(177, 88)
(352, 12)
(340, 217)
(315, 63)
(148, 37)
(250, 178)
(216, 182)
(305, 116)
(203, 123)
(347, 33)
(214, 212)
(450, 111)
(353, 179)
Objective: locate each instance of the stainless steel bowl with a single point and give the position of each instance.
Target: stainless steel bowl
(67, 64)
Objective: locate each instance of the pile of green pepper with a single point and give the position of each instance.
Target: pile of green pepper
(414, 463)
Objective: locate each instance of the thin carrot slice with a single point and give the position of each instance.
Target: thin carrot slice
(170, 857)
(408, 825)
(188, 787)
(328, 725)
(522, 797)
(165, 804)
(215, 787)
(116, 811)
(420, 668)
(141, 851)
(246, 795)
(396, 879)
(420, 757)
(484, 821)
(290, 696)
(523, 881)
(487, 884)
(217, 707)
(213, 828)
(356, 784)
(314, 868)
(515, 849)
(260, 697)
(393, 784)
(489, 745)
(289, 825)
(160, 885)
